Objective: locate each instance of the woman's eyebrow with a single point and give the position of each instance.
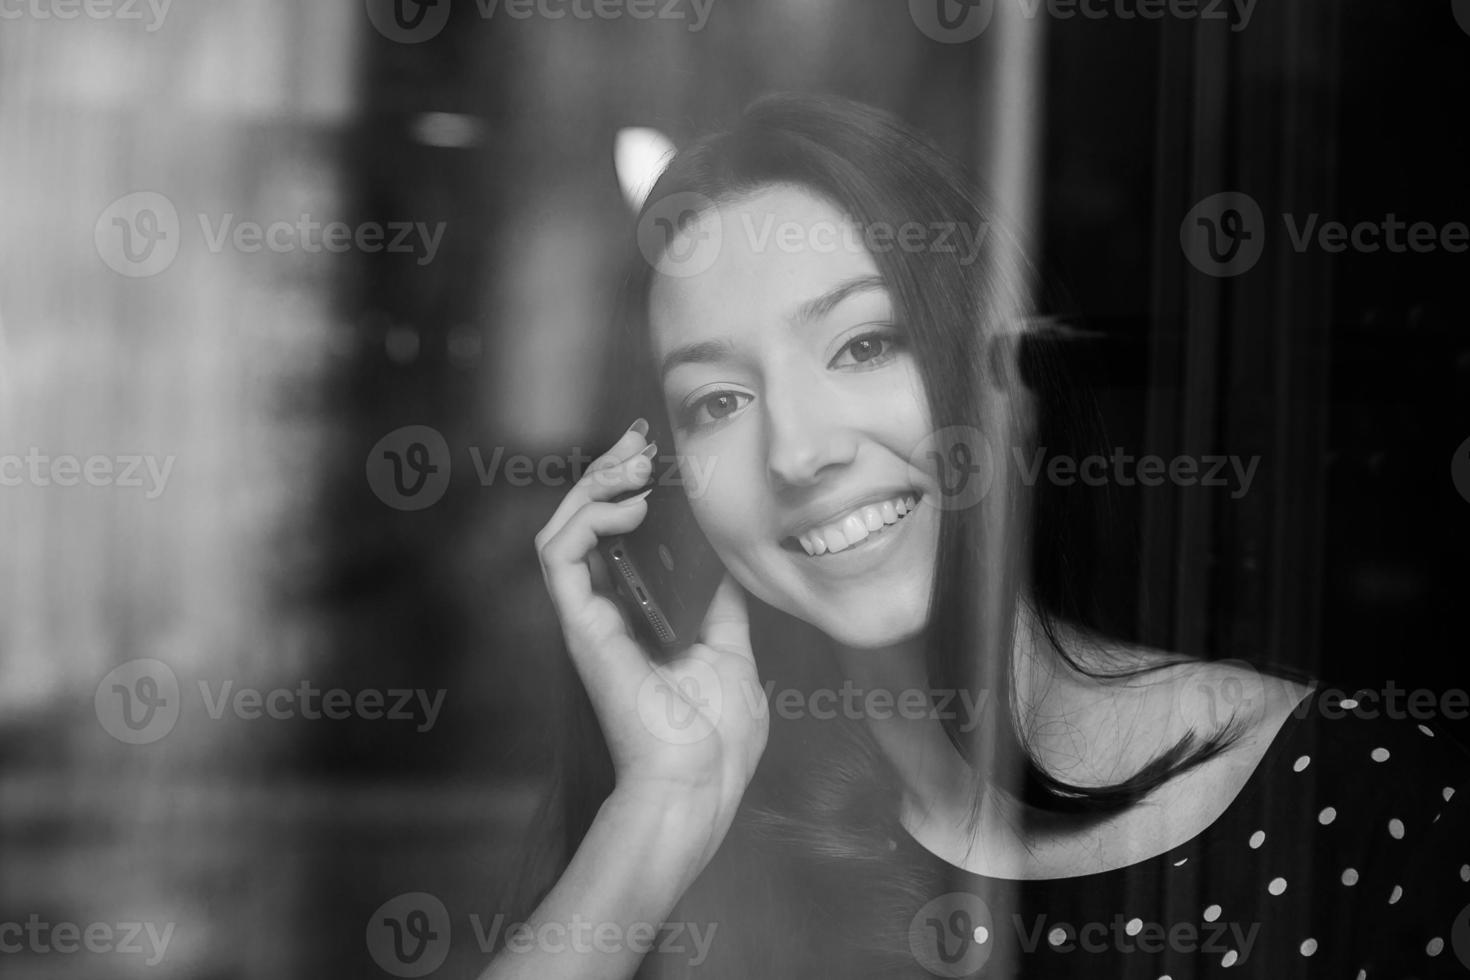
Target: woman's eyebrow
(702, 352)
(715, 351)
(815, 309)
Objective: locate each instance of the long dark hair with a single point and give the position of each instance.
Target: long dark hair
(824, 805)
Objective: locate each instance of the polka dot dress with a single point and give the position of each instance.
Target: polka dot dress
(1346, 854)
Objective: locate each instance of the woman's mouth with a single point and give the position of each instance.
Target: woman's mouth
(854, 527)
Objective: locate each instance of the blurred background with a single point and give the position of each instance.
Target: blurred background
(256, 253)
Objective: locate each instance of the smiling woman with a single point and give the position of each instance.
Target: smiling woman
(862, 404)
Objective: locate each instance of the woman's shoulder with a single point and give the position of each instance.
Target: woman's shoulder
(1370, 744)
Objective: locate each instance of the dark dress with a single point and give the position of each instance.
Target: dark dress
(1346, 854)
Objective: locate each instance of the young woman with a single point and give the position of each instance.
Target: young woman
(943, 770)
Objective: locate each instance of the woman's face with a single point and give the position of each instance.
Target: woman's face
(788, 381)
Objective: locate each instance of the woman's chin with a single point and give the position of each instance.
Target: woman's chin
(869, 632)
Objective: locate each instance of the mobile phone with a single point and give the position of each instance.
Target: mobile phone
(665, 571)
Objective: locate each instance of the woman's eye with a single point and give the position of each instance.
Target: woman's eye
(869, 349)
(714, 407)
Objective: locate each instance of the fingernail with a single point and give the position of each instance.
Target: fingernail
(640, 427)
(636, 496)
(650, 450)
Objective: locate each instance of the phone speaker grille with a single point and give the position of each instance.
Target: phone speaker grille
(651, 614)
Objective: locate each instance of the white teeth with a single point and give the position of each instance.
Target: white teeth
(853, 528)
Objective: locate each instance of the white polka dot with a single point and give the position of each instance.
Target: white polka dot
(1395, 895)
(1328, 814)
(1427, 730)
(1349, 703)
(1301, 763)
(1465, 872)
(1212, 913)
(1229, 958)
(1380, 754)
(1350, 876)
(1057, 936)
(1435, 947)
(1257, 839)
(1277, 886)
(1448, 792)
(1308, 947)
(982, 934)
(1134, 927)
(1396, 829)
(1180, 862)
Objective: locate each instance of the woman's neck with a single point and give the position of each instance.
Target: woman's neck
(904, 712)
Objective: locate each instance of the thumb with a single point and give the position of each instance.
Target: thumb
(726, 625)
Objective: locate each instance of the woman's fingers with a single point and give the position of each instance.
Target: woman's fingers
(626, 466)
(564, 556)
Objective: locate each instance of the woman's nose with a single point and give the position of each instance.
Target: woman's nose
(805, 436)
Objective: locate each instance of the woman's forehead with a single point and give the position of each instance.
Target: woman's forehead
(775, 253)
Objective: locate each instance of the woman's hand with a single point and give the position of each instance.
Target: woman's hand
(695, 725)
